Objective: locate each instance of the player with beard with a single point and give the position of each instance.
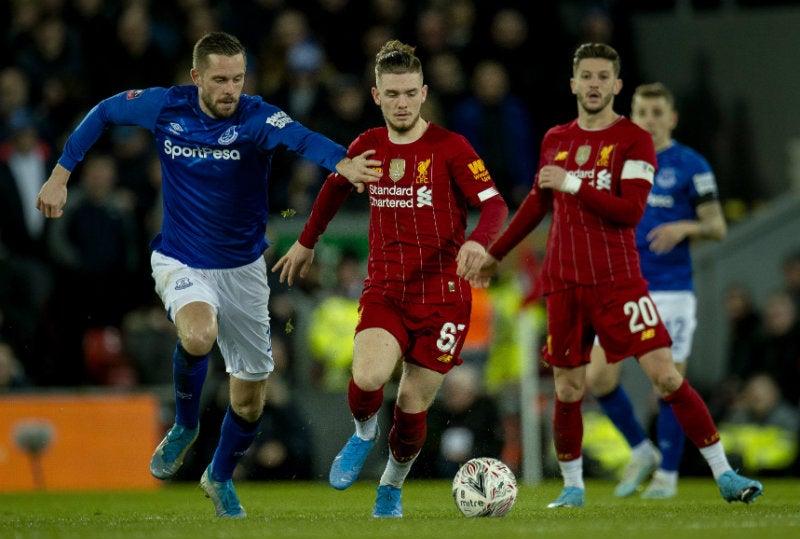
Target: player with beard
(216, 145)
(414, 307)
(596, 174)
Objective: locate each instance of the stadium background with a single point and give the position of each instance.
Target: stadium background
(729, 62)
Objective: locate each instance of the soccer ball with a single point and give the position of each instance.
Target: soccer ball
(484, 487)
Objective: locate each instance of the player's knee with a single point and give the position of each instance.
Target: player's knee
(367, 380)
(668, 382)
(198, 341)
(249, 410)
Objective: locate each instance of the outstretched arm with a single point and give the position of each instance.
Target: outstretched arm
(53, 194)
(296, 261)
(360, 170)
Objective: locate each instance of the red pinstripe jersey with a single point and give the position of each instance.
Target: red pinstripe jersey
(592, 233)
(418, 213)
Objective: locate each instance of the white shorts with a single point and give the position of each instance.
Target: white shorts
(239, 297)
(678, 310)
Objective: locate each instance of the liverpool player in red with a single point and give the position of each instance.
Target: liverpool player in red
(414, 306)
(596, 175)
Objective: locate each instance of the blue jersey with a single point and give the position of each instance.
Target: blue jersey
(214, 172)
(684, 180)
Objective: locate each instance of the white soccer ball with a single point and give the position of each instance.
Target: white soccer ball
(484, 487)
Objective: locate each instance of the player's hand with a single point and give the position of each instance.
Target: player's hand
(556, 178)
(360, 170)
(53, 194)
(482, 276)
(666, 236)
(469, 259)
(297, 260)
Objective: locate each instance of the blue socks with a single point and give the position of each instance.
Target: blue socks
(189, 374)
(670, 437)
(617, 406)
(236, 436)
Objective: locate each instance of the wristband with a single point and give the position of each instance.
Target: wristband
(571, 183)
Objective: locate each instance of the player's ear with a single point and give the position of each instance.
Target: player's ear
(195, 76)
(376, 96)
(617, 87)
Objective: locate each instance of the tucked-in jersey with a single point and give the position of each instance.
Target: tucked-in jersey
(592, 233)
(684, 181)
(418, 213)
(214, 171)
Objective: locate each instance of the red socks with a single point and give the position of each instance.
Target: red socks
(693, 416)
(567, 429)
(408, 434)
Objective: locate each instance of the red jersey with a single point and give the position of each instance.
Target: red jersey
(418, 213)
(592, 234)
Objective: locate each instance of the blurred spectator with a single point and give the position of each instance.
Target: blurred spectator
(94, 22)
(339, 25)
(12, 375)
(332, 325)
(148, 339)
(498, 125)
(94, 248)
(777, 349)
(54, 52)
(14, 96)
(137, 56)
(744, 323)
(348, 112)
(791, 277)
(761, 428)
(463, 423)
(25, 162)
(447, 83)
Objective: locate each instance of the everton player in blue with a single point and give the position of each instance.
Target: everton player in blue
(683, 205)
(215, 146)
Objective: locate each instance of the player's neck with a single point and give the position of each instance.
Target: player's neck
(661, 145)
(410, 135)
(597, 120)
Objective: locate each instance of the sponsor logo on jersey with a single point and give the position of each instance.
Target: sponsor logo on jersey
(660, 201)
(133, 94)
(582, 155)
(176, 128)
(561, 156)
(422, 171)
(280, 120)
(395, 196)
(198, 152)
(228, 136)
(479, 172)
(424, 197)
(397, 168)
(605, 155)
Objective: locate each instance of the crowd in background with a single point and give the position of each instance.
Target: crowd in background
(77, 306)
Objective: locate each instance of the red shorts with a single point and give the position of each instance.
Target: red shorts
(429, 335)
(623, 316)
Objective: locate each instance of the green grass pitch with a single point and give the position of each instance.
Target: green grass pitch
(313, 509)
